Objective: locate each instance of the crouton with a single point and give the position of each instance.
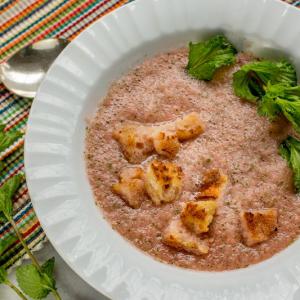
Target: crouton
(189, 127)
(258, 225)
(138, 141)
(131, 187)
(212, 184)
(131, 173)
(178, 237)
(135, 141)
(166, 143)
(198, 215)
(163, 181)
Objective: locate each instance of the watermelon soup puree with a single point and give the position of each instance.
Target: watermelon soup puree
(236, 140)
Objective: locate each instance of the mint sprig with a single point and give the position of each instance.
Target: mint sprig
(6, 242)
(3, 275)
(208, 56)
(35, 280)
(34, 283)
(48, 267)
(251, 80)
(7, 190)
(4, 280)
(290, 150)
(7, 138)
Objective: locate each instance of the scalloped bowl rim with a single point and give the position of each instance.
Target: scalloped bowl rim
(64, 169)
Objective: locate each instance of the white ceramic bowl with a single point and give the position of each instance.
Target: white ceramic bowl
(54, 146)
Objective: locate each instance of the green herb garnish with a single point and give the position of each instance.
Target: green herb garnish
(35, 280)
(4, 280)
(268, 108)
(35, 283)
(250, 82)
(290, 150)
(207, 56)
(6, 242)
(7, 190)
(7, 138)
(283, 99)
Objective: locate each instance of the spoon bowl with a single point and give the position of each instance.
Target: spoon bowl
(25, 70)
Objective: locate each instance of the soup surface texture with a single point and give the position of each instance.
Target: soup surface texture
(237, 141)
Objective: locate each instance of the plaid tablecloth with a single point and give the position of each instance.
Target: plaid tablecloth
(21, 23)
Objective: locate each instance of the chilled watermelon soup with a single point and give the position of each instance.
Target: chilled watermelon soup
(234, 139)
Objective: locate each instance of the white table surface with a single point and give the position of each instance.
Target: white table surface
(70, 286)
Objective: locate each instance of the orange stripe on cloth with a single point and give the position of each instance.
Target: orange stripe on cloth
(97, 17)
(35, 225)
(60, 22)
(20, 195)
(16, 171)
(9, 228)
(35, 28)
(9, 6)
(17, 119)
(12, 148)
(22, 14)
(83, 17)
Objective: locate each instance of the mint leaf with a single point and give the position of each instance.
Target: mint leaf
(283, 99)
(268, 108)
(3, 275)
(242, 86)
(289, 149)
(33, 283)
(48, 267)
(207, 56)
(7, 138)
(6, 242)
(48, 270)
(251, 80)
(7, 191)
(291, 110)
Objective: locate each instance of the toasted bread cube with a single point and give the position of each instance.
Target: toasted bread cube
(189, 126)
(178, 237)
(198, 215)
(138, 141)
(131, 187)
(135, 141)
(258, 225)
(163, 181)
(166, 143)
(212, 184)
(132, 173)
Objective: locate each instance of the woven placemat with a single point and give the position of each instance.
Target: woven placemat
(21, 23)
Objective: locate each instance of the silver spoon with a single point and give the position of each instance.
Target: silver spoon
(24, 71)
